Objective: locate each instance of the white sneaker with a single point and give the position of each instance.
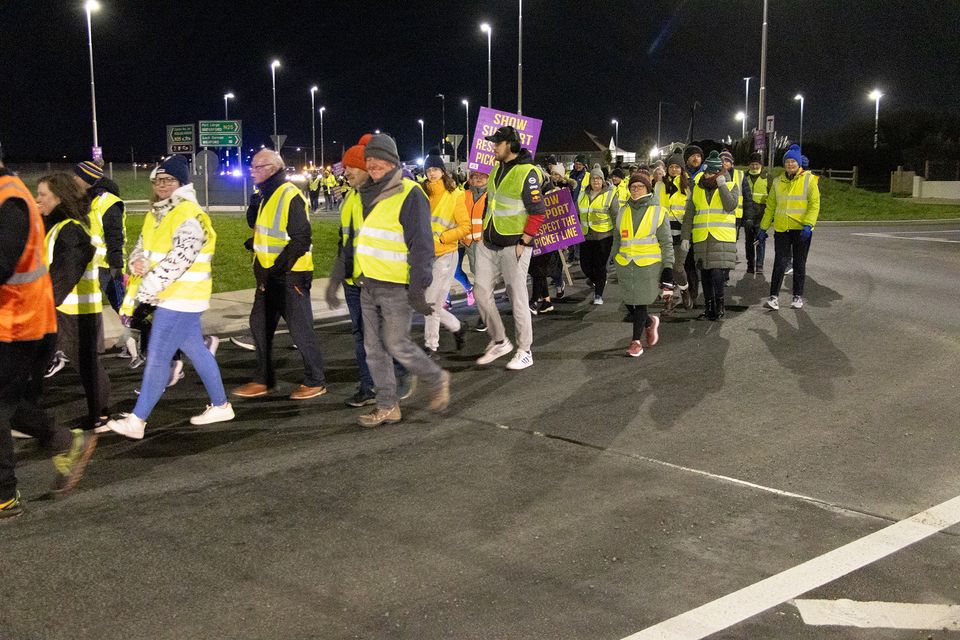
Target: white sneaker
(797, 303)
(772, 303)
(597, 299)
(212, 414)
(244, 341)
(495, 350)
(176, 372)
(129, 425)
(19, 435)
(133, 348)
(212, 343)
(521, 360)
(788, 271)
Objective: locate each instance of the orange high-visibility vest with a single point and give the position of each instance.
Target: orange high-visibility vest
(476, 216)
(26, 298)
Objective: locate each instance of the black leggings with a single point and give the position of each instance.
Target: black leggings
(594, 255)
(785, 244)
(641, 320)
(714, 281)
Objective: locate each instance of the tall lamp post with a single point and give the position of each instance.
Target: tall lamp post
(226, 116)
(322, 109)
(742, 117)
(466, 131)
(616, 133)
(800, 98)
(660, 117)
(487, 30)
(90, 6)
(313, 122)
(421, 136)
(443, 121)
(273, 78)
(876, 95)
(746, 103)
(520, 63)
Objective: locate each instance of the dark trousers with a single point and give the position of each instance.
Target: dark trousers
(714, 281)
(288, 298)
(542, 267)
(638, 312)
(21, 387)
(314, 200)
(78, 338)
(785, 245)
(693, 275)
(593, 261)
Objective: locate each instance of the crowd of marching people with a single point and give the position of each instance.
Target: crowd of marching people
(666, 233)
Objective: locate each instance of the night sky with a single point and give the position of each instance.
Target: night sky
(380, 64)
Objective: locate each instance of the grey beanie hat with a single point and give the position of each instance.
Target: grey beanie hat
(383, 147)
(597, 172)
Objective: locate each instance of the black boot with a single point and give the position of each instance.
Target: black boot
(709, 310)
(719, 310)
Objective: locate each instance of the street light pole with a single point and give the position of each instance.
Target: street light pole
(421, 137)
(273, 78)
(226, 116)
(742, 117)
(746, 104)
(876, 95)
(520, 64)
(322, 162)
(90, 6)
(486, 29)
(659, 117)
(466, 148)
(616, 134)
(761, 112)
(443, 121)
(800, 98)
(313, 122)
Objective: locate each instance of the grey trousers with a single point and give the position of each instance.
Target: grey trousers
(386, 337)
(490, 264)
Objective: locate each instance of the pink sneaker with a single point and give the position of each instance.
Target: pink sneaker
(470, 299)
(652, 333)
(635, 350)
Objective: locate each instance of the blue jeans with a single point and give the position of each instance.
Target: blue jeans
(174, 330)
(459, 274)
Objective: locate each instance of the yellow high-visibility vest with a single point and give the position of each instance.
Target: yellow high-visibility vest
(84, 298)
(270, 231)
(759, 189)
(381, 250)
(192, 290)
(675, 204)
(330, 181)
(98, 207)
(737, 179)
(622, 191)
(710, 218)
(639, 245)
(595, 212)
(505, 208)
(349, 210)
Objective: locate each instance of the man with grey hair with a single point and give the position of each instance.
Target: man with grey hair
(283, 269)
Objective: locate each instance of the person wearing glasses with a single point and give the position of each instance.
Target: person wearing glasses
(283, 269)
(174, 259)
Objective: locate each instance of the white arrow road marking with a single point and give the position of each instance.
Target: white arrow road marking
(740, 605)
(884, 615)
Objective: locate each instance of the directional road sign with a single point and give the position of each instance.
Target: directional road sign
(181, 138)
(220, 133)
(220, 126)
(220, 140)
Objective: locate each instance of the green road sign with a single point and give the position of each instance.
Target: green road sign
(220, 126)
(181, 138)
(219, 140)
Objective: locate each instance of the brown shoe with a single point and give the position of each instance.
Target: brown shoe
(251, 390)
(440, 397)
(71, 465)
(304, 392)
(380, 416)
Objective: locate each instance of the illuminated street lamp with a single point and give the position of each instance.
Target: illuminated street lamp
(800, 98)
(487, 30)
(273, 77)
(616, 133)
(742, 118)
(876, 95)
(313, 122)
(90, 6)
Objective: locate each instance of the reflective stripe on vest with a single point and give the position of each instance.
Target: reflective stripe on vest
(270, 231)
(85, 297)
(505, 208)
(381, 251)
(676, 203)
(476, 213)
(640, 245)
(737, 179)
(195, 285)
(596, 216)
(348, 211)
(711, 219)
(790, 201)
(441, 219)
(98, 207)
(759, 189)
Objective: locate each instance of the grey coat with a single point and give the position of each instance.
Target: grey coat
(641, 285)
(712, 253)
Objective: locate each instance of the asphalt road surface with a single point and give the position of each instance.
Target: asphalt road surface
(591, 496)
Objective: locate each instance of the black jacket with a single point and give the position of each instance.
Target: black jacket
(114, 234)
(14, 231)
(72, 252)
(298, 226)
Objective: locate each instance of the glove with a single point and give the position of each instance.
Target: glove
(333, 300)
(666, 279)
(807, 232)
(721, 179)
(685, 246)
(418, 302)
(762, 236)
(248, 244)
(140, 315)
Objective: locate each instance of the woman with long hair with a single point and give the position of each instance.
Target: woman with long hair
(76, 288)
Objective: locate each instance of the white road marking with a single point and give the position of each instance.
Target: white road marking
(879, 615)
(900, 237)
(752, 600)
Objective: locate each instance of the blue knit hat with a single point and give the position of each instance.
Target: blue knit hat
(175, 166)
(433, 159)
(804, 161)
(793, 153)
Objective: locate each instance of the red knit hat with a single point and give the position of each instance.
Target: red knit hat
(354, 155)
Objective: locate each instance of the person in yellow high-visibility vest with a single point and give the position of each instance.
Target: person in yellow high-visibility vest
(391, 259)
(329, 187)
(757, 177)
(710, 228)
(107, 228)
(174, 259)
(673, 199)
(643, 256)
(739, 178)
(76, 289)
(283, 270)
(793, 207)
(598, 206)
(313, 187)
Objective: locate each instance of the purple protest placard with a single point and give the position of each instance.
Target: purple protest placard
(488, 121)
(561, 224)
